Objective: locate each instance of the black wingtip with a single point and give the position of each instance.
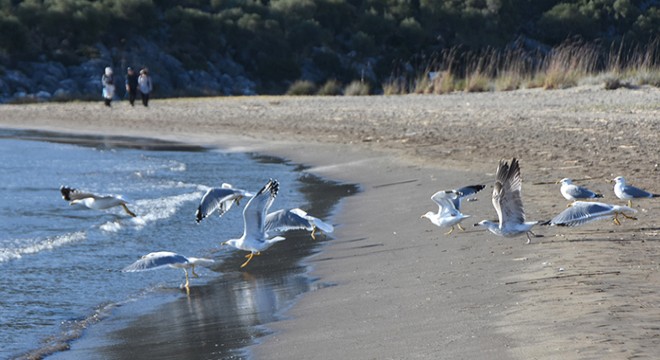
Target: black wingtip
(198, 215)
(545, 223)
(598, 196)
(477, 188)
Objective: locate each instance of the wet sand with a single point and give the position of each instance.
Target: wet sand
(403, 288)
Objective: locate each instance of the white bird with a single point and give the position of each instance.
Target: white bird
(160, 259)
(583, 212)
(508, 203)
(281, 221)
(255, 239)
(220, 199)
(93, 201)
(574, 192)
(628, 192)
(449, 204)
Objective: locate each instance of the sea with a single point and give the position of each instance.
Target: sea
(63, 292)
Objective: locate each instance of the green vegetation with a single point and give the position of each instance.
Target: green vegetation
(474, 45)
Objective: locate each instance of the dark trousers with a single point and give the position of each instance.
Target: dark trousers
(132, 94)
(145, 99)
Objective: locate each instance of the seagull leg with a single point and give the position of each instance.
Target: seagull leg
(187, 284)
(616, 219)
(628, 216)
(249, 257)
(313, 231)
(128, 211)
(460, 227)
(529, 239)
(450, 230)
(629, 202)
(193, 271)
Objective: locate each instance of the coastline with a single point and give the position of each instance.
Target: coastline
(404, 289)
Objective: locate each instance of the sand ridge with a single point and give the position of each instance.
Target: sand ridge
(403, 288)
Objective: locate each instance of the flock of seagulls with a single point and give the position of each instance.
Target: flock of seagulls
(508, 204)
(261, 229)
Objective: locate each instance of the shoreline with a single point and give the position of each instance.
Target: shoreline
(404, 289)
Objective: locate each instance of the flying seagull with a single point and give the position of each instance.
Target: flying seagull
(255, 239)
(280, 221)
(449, 205)
(93, 201)
(508, 204)
(161, 259)
(220, 199)
(574, 192)
(628, 192)
(583, 212)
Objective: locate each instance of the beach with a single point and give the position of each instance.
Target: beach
(401, 287)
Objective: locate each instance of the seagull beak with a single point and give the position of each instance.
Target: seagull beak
(558, 182)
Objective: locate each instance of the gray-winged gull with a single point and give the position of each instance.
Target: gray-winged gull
(161, 259)
(628, 192)
(220, 199)
(449, 204)
(574, 192)
(93, 201)
(583, 212)
(508, 204)
(255, 239)
(281, 221)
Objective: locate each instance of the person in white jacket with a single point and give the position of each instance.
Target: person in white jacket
(145, 86)
(108, 83)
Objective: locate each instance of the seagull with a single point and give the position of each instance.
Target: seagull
(93, 201)
(255, 239)
(283, 220)
(628, 192)
(508, 204)
(582, 212)
(220, 199)
(160, 259)
(449, 205)
(574, 192)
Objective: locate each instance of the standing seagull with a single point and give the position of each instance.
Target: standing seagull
(628, 192)
(220, 199)
(574, 192)
(449, 205)
(508, 204)
(160, 259)
(255, 239)
(93, 201)
(281, 221)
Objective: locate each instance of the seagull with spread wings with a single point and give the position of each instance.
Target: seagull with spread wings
(508, 204)
(583, 212)
(449, 205)
(255, 238)
(161, 259)
(283, 220)
(93, 201)
(220, 199)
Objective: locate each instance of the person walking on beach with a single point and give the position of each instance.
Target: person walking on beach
(144, 82)
(131, 85)
(108, 83)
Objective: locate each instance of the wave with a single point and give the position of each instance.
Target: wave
(32, 246)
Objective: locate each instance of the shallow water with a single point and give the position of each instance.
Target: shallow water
(62, 263)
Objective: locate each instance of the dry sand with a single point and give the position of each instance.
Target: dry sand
(404, 288)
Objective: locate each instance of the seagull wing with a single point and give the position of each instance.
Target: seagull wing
(445, 201)
(220, 199)
(506, 194)
(636, 192)
(156, 260)
(254, 213)
(465, 192)
(287, 219)
(579, 192)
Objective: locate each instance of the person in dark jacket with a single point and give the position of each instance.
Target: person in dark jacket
(131, 85)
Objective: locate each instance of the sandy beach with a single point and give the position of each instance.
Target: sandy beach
(404, 289)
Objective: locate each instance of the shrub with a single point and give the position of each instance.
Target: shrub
(301, 87)
(357, 88)
(331, 87)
